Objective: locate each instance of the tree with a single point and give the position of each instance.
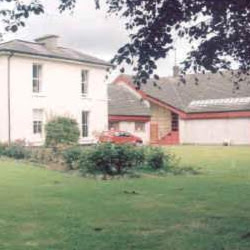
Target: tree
(221, 30)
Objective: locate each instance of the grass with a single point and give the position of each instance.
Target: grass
(47, 210)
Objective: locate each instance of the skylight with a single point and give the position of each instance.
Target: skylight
(216, 102)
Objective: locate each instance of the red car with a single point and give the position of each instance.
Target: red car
(120, 137)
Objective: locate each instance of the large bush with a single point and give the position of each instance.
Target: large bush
(111, 159)
(62, 131)
(71, 156)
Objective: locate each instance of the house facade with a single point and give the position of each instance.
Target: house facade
(206, 109)
(41, 80)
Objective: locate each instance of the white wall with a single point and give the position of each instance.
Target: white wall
(61, 95)
(3, 99)
(215, 131)
(130, 127)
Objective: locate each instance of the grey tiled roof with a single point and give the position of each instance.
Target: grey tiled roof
(210, 87)
(123, 102)
(34, 48)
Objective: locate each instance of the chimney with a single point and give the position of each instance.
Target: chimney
(176, 71)
(49, 41)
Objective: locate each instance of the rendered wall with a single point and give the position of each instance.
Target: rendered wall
(61, 95)
(3, 99)
(215, 131)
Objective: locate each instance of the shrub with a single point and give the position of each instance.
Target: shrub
(62, 130)
(157, 158)
(139, 156)
(71, 157)
(3, 147)
(109, 159)
(43, 155)
(17, 151)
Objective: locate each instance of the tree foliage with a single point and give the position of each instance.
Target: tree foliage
(62, 131)
(221, 30)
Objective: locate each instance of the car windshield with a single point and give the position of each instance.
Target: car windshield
(122, 134)
(126, 134)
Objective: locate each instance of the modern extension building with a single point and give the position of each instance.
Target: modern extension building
(206, 109)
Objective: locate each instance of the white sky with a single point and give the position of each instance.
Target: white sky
(88, 30)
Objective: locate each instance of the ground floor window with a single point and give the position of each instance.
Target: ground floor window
(85, 124)
(175, 122)
(37, 121)
(114, 125)
(139, 126)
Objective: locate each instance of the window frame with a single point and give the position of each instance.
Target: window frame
(140, 123)
(37, 123)
(84, 82)
(174, 122)
(37, 83)
(85, 124)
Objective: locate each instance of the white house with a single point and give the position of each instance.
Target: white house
(40, 80)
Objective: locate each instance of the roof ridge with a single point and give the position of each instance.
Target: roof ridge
(24, 41)
(20, 40)
(25, 47)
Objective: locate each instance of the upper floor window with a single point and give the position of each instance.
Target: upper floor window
(37, 78)
(37, 121)
(84, 81)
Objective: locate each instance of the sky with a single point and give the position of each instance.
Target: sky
(90, 31)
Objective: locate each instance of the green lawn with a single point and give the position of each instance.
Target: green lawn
(47, 210)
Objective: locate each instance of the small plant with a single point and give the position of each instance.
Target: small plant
(43, 155)
(139, 155)
(62, 131)
(17, 151)
(71, 156)
(157, 158)
(3, 147)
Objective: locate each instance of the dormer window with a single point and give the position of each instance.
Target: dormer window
(84, 82)
(37, 78)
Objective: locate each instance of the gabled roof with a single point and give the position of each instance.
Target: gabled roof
(122, 102)
(212, 92)
(38, 49)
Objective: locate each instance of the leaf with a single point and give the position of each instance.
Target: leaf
(14, 28)
(156, 77)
